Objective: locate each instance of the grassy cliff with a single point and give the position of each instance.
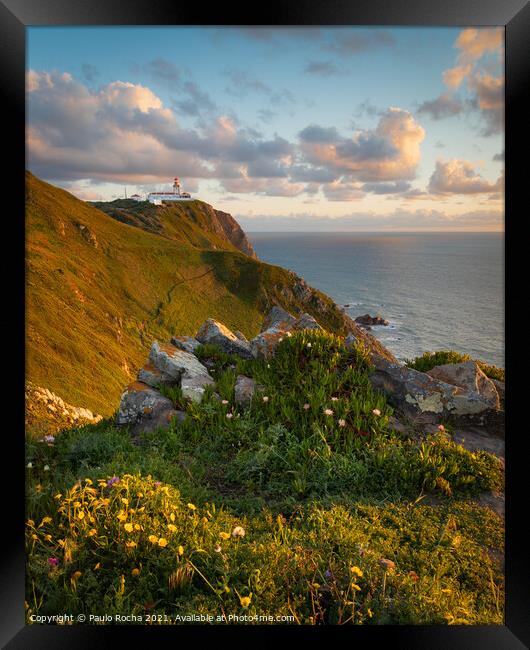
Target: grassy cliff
(100, 289)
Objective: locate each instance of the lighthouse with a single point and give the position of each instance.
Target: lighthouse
(159, 198)
(176, 185)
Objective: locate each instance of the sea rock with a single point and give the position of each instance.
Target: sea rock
(186, 343)
(265, 343)
(174, 362)
(279, 319)
(368, 320)
(151, 376)
(425, 399)
(244, 390)
(306, 322)
(214, 332)
(140, 401)
(469, 376)
(194, 387)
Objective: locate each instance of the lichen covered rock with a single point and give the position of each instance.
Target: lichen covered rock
(216, 333)
(186, 343)
(140, 401)
(175, 362)
(469, 376)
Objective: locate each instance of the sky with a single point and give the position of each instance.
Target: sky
(294, 128)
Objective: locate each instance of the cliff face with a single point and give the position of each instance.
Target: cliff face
(235, 233)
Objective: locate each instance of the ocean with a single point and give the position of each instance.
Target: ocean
(438, 290)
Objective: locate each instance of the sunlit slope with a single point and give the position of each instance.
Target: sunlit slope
(98, 291)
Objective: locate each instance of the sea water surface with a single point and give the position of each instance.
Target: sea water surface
(438, 290)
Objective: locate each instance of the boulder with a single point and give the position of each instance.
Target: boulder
(469, 376)
(501, 388)
(151, 376)
(423, 398)
(211, 331)
(186, 343)
(156, 420)
(279, 319)
(265, 343)
(194, 387)
(174, 363)
(139, 401)
(241, 336)
(306, 322)
(244, 390)
(351, 340)
(367, 320)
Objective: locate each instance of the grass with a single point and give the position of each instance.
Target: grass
(330, 499)
(429, 360)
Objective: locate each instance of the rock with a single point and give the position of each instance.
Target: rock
(469, 376)
(306, 322)
(151, 376)
(175, 363)
(371, 320)
(186, 343)
(351, 340)
(241, 336)
(244, 390)
(500, 386)
(264, 344)
(425, 399)
(218, 334)
(278, 318)
(156, 420)
(140, 401)
(194, 387)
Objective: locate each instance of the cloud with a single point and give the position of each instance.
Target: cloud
(355, 41)
(386, 188)
(242, 84)
(460, 177)
(499, 157)
(162, 70)
(489, 97)
(89, 72)
(390, 152)
(321, 68)
(441, 107)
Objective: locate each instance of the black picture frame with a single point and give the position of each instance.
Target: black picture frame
(15, 16)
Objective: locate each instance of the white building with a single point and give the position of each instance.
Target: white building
(136, 197)
(157, 198)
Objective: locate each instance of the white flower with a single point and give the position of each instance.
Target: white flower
(265, 398)
(441, 427)
(342, 423)
(238, 531)
(229, 415)
(289, 334)
(280, 339)
(217, 548)
(224, 401)
(268, 365)
(309, 345)
(306, 406)
(49, 438)
(376, 412)
(46, 468)
(30, 465)
(328, 412)
(334, 399)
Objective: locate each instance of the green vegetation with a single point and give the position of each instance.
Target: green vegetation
(99, 291)
(307, 504)
(429, 360)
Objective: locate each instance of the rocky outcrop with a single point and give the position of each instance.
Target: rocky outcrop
(469, 376)
(195, 387)
(234, 233)
(174, 363)
(141, 402)
(367, 320)
(244, 390)
(186, 343)
(423, 398)
(211, 331)
(278, 318)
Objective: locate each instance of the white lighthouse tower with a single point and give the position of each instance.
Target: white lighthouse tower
(158, 198)
(176, 185)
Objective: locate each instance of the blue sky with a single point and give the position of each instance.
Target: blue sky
(352, 128)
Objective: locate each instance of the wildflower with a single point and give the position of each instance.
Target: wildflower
(414, 576)
(376, 412)
(334, 399)
(49, 438)
(328, 574)
(131, 544)
(76, 575)
(158, 483)
(224, 401)
(268, 365)
(265, 398)
(53, 561)
(217, 548)
(224, 535)
(387, 565)
(121, 516)
(97, 566)
(172, 516)
(369, 612)
(29, 465)
(80, 515)
(356, 571)
(181, 550)
(289, 334)
(137, 527)
(309, 345)
(113, 481)
(280, 339)
(354, 586)
(125, 501)
(129, 528)
(245, 601)
(229, 415)
(238, 531)
(91, 532)
(46, 468)
(191, 506)
(328, 412)
(307, 406)
(342, 423)
(153, 539)
(441, 427)
(135, 572)
(172, 528)
(162, 542)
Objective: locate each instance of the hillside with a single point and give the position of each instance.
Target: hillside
(99, 290)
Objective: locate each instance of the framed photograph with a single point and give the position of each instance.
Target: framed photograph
(265, 267)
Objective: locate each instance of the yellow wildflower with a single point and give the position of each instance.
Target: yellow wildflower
(80, 515)
(172, 528)
(76, 575)
(204, 520)
(77, 504)
(45, 520)
(125, 501)
(129, 528)
(88, 481)
(191, 506)
(224, 535)
(162, 542)
(153, 539)
(130, 544)
(139, 494)
(369, 612)
(181, 550)
(245, 601)
(122, 516)
(97, 566)
(91, 532)
(356, 571)
(137, 527)
(172, 516)
(356, 587)
(135, 572)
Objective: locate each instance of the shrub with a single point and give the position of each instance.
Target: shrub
(428, 360)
